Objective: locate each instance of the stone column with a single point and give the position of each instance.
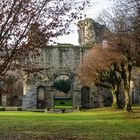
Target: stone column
(29, 100)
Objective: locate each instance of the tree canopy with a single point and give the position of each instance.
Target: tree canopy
(17, 17)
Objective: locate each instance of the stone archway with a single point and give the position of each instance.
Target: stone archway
(63, 83)
(62, 94)
(41, 103)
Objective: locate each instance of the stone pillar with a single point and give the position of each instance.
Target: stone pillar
(77, 99)
(132, 92)
(29, 100)
(49, 99)
(4, 99)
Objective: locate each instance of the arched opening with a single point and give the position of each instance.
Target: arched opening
(63, 83)
(62, 97)
(41, 97)
(14, 100)
(108, 101)
(85, 97)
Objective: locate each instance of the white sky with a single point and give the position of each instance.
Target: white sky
(92, 12)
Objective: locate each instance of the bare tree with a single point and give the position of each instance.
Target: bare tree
(123, 21)
(17, 17)
(102, 67)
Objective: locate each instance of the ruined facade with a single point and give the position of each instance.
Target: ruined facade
(60, 60)
(91, 32)
(63, 60)
(57, 60)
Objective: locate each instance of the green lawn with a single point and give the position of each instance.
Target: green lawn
(63, 107)
(63, 103)
(96, 124)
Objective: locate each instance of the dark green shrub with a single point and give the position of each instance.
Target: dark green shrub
(63, 110)
(2, 108)
(19, 109)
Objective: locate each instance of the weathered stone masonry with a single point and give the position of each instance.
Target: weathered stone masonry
(61, 60)
(64, 59)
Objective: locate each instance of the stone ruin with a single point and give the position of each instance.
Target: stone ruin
(62, 60)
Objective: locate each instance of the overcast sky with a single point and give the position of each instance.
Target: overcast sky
(92, 12)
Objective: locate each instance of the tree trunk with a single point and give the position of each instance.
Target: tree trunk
(115, 100)
(119, 103)
(127, 99)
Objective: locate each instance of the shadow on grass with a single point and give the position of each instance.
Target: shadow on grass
(52, 137)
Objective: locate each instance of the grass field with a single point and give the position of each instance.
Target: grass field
(96, 124)
(63, 103)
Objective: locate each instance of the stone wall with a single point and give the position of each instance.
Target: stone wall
(64, 59)
(91, 32)
(135, 86)
(57, 60)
